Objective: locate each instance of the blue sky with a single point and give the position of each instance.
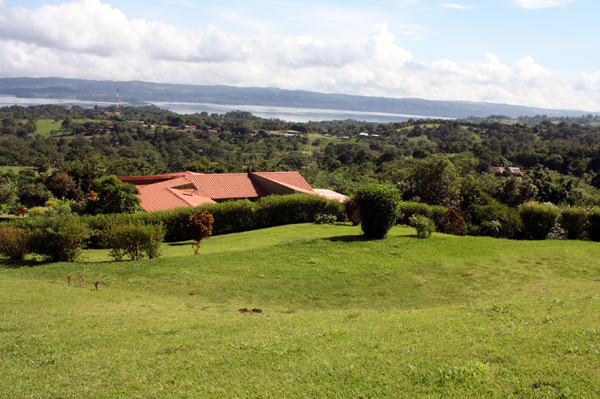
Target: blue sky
(527, 52)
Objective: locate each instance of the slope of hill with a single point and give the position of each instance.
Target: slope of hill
(139, 92)
(340, 316)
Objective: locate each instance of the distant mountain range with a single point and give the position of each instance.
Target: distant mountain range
(136, 92)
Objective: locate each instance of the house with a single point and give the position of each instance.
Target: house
(500, 170)
(177, 190)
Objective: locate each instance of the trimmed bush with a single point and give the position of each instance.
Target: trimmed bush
(436, 213)
(594, 223)
(378, 208)
(231, 216)
(423, 225)
(14, 242)
(323, 218)
(497, 220)
(135, 240)
(276, 210)
(59, 239)
(538, 219)
(574, 221)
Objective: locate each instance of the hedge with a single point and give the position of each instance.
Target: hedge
(436, 213)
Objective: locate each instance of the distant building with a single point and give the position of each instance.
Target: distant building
(498, 170)
(184, 189)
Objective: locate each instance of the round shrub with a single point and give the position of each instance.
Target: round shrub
(60, 239)
(538, 219)
(14, 242)
(378, 207)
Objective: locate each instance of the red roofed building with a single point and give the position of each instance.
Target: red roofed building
(176, 190)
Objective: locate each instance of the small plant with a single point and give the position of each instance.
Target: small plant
(423, 225)
(199, 227)
(323, 218)
(352, 213)
(454, 223)
(14, 242)
(378, 208)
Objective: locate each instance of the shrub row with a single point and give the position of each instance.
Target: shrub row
(229, 217)
(533, 220)
(62, 239)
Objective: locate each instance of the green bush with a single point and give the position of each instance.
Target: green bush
(60, 239)
(231, 216)
(496, 219)
(378, 209)
(594, 223)
(574, 221)
(423, 225)
(538, 219)
(14, 242)
(276, 210)
(323, 218)
(134, 239)
(436, 213)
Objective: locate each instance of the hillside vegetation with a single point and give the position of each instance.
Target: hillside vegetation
(340, 316)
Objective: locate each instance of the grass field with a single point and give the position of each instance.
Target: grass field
(341, 317)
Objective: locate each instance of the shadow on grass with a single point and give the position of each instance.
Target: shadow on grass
(352, 238)
(16, 263)
(362, 238)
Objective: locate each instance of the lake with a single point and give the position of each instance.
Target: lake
(283, 113)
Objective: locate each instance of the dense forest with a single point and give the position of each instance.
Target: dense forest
(439, 162)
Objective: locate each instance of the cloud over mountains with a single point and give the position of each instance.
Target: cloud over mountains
(92, 40)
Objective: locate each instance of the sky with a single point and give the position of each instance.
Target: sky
(539, 53)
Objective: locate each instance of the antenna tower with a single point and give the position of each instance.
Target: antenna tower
(118, 111)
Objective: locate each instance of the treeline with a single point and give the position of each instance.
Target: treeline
(560, 161)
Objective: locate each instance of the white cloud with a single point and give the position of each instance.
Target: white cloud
(90, 27)
(2, 4)
(91, 40)
(536, 4)
(457, 6)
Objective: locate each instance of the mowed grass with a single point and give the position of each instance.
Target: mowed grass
(341, 317)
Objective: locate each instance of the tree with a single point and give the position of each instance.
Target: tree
(61, 184)
(113, 196)
(436, 181)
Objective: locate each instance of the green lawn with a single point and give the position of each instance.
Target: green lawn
(341, 317)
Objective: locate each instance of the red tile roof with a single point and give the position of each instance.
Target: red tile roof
(183, 189)
(227, 186)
